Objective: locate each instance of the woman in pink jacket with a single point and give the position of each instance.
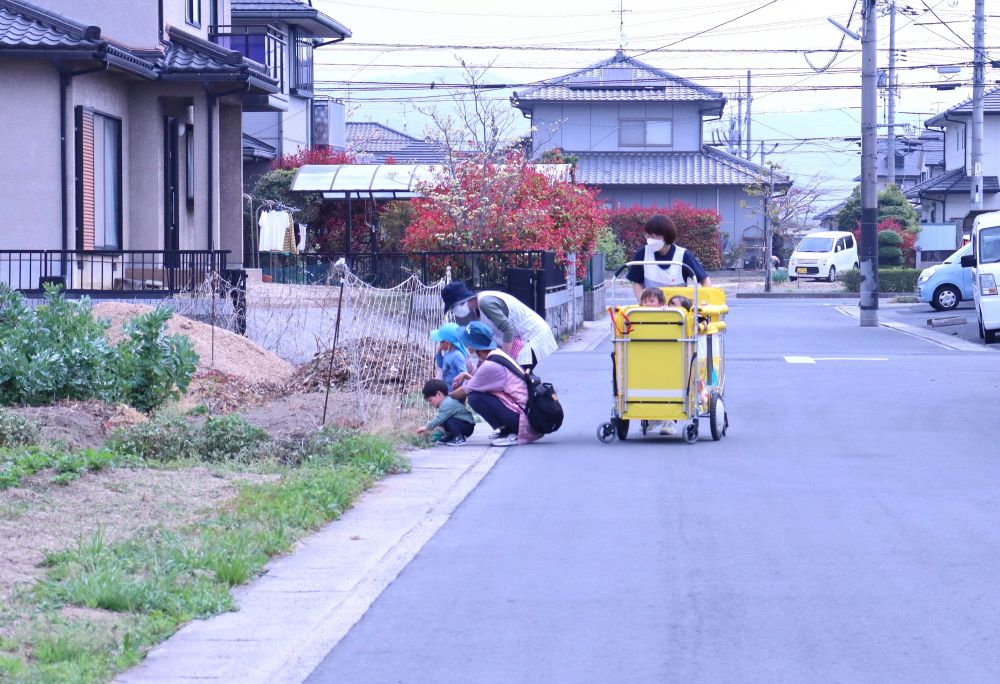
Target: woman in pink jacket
(494, 392)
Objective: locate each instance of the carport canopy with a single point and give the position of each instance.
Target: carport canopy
(383, 181)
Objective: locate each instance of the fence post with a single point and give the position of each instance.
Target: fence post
(571, 281)
(447, 275)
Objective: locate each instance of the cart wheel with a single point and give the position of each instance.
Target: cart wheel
(621, 428)
(645, 427)
(606, 433)
(691, 432)
(717, 418)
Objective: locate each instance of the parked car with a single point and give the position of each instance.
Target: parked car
(985, 262)
(823, 254)
(947, 284)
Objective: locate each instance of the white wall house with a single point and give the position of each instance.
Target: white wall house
(946, 197)
(637, 133)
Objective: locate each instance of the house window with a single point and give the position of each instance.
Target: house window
(98, 180)
(645, 132)
(192, 12)
(303, 72)
(900, 161)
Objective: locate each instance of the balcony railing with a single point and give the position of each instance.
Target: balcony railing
(153, 273)
(262, 44)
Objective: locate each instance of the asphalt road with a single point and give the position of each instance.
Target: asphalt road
(846, 530)
(918, 315)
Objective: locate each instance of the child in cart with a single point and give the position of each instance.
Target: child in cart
(685, 303)
(653, 297)
(453, 420)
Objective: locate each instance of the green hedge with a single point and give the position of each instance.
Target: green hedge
(889, 280)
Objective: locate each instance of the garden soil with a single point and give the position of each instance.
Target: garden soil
(119, 503)
(80, 424)
(234, 354)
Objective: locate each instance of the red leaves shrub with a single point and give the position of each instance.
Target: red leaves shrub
(316, 155)
(483, 206)
(697, 229)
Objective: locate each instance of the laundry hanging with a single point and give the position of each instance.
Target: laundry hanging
(273, 230)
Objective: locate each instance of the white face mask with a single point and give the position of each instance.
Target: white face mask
(655, 243)
(461, 310)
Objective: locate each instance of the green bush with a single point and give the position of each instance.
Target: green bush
(612, 249)
(890, 256)
(58, 350)
(779, 275)
(889, 238)
(16, 430)
(889, 280)
(230, 438)
(164, 437)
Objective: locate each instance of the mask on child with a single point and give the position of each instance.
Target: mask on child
(655, 243)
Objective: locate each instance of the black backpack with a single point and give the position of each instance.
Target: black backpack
(543, 410)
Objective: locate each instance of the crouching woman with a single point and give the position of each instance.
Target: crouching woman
(494, 392)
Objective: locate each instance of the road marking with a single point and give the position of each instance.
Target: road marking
(814, 359)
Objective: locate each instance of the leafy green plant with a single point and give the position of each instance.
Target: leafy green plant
(16, 430)
(19, 463)
(58, 350)
(164, 437)
(152, 366)
(612, 249)
(889, 280)
(230, 438)
(779, 275)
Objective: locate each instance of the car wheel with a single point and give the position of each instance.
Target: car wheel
(982, 331)
(990, 336)
(792, 279)
(946, 298)
(832, 275)
(856, 266)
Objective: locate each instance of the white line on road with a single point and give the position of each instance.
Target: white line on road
(814, 359)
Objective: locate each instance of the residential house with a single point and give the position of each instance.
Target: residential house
(637, 132)
(286, 32)
(374, 143)
(122, 126)
(945, 198)
(916, 160)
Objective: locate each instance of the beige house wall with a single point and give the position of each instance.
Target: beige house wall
(30, 189)
(134, 22)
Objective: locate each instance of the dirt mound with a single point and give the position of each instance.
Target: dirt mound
(384, 364)
(224, 393)
(234, 354)
(80, 424)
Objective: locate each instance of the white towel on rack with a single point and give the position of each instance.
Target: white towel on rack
(302, 236)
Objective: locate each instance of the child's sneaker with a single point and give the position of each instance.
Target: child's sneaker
(454, 441)
(506, 441)
(668, 427)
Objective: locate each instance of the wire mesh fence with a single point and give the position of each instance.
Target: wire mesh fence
(368, 347)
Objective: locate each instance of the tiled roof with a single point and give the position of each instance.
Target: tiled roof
(619, 78)
(254, 148)
(26, 26)
(292, 10)
(374, 142)
(375, 137)
(707, 167)
(190, 56)
(991, 105)
(831, 212)
(953, 182)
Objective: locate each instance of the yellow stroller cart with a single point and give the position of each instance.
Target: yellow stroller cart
(668, 363)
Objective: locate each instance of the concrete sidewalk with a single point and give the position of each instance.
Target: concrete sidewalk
(306, 602)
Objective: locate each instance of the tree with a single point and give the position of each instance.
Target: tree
(891, 204)
(896, 244)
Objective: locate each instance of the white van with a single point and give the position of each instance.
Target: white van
(985, 263)
(823, 254)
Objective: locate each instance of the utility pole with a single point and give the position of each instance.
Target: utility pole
(978, 76)
(890, 147)
(869, 190)
(767, 226)
(739, 119)
(749, 100)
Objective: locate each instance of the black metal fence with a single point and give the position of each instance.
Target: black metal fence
(480, 270)
(110, 273)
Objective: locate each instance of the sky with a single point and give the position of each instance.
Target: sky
(801, 115)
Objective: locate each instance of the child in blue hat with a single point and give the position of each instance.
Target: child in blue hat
(451, 356)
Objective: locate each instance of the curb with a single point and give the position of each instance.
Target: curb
(303, 603)
(815, 295)
(940, 339)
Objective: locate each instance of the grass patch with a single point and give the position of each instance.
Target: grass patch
(150, 585)
(19, 463)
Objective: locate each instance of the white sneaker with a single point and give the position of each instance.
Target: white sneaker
(668, 427)
(509, 440)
